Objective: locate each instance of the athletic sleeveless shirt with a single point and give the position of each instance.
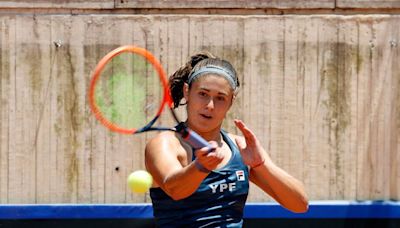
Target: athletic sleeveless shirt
(218, 202)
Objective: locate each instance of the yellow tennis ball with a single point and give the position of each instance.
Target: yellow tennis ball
(140, 181)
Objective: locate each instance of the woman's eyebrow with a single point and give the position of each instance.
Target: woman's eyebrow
(219, 92)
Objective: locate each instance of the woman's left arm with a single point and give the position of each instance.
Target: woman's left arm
(284, 188)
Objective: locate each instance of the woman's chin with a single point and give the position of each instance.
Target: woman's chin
(203, 125)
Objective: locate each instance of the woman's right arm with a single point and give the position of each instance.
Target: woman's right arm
(178, 181)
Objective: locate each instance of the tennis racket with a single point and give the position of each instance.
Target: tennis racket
(129, 91)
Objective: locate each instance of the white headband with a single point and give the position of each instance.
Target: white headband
(216, 70)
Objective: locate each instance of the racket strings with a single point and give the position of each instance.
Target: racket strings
(128, 92)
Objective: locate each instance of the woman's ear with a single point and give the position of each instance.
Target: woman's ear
(185, 91)
(233, 100)
(234, 96)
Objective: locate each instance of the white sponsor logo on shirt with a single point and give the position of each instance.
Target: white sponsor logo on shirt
(222, 187)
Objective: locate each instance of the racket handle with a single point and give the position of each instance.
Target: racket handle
(191, 137)
(195, 140)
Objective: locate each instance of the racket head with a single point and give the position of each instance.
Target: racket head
(109, 107)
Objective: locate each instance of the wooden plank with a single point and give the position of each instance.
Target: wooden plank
(375, 104)
(368, 4)
(50, 161)
(81, 164)
(20, 160)
(11, 143)
(329, 100)
(195, 35)
(40, 58)
(347, 107)
(382, 103)
(315, 55)
(7, 82)
(28, 95)
(74, 4)
(338, 86)
(214, 43)
(228, 4)
(94, 50)
(66, 124)
(271, 72)
(364, 164)
(293, 118)
(273, 84)
(395, 114)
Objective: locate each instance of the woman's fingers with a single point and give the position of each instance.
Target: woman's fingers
(243, 128)
(247, 133)
(209, 159)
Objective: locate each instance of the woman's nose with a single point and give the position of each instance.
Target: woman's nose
(210, 104)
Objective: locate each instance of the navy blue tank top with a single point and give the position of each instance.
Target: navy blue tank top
(218, 202)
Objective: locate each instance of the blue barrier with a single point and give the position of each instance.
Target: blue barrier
(329, 210)
(317, 210)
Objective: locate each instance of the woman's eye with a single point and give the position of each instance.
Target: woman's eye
(221, 98)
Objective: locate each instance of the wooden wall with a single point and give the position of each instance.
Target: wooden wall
(320, 91)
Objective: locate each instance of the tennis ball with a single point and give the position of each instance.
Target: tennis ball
(140, 181)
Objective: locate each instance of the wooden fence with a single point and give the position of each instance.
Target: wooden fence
(320, 91)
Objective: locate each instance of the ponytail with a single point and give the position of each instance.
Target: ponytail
(178, 79)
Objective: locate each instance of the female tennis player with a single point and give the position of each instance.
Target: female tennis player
(208, 187)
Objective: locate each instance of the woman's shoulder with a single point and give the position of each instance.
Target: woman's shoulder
(165, 146)
(163, 138)
(166, 141)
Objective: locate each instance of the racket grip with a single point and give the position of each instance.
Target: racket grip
(191, 137)
(195, 140)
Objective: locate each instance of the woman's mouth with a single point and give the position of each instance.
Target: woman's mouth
(206, 116)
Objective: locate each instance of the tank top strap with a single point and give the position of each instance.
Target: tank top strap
(229, 141)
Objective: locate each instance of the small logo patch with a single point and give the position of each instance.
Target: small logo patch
(240, 175)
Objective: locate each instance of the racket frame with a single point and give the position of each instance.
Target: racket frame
(167, 100)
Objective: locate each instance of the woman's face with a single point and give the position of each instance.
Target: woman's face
(208, 100)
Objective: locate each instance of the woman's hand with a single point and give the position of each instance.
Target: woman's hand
(209, 158)
(276, 182)
(253, 154)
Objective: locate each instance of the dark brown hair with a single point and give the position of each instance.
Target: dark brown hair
(180, 77)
